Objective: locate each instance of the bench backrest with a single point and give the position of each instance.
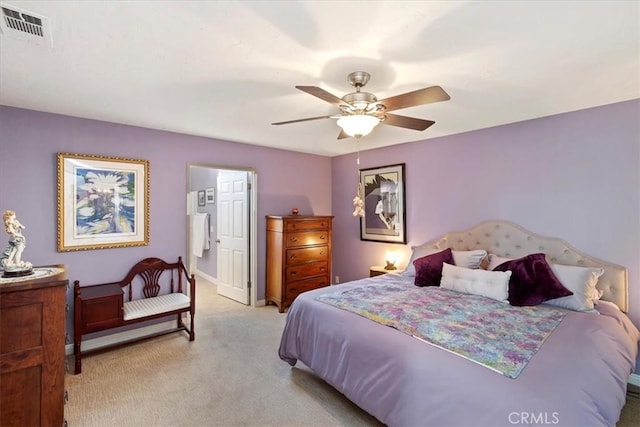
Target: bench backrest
(150, 271)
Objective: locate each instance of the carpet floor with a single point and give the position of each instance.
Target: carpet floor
(229, 376)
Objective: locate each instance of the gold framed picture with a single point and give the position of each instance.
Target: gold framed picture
(103, 202)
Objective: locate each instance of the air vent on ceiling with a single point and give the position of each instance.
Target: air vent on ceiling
(24, 25)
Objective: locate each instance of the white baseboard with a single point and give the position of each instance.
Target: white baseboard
(122, 336)
(206, 277)
(634, 379)
(261, 303)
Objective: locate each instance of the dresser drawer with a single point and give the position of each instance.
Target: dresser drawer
(307, 238)
(314, 224)
(21, 322)
(298, 256)
(309, 269)
(296, 288)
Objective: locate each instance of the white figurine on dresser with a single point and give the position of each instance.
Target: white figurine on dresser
(11, 259)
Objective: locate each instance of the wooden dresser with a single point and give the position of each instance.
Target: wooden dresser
(298, 256)
(32, 341)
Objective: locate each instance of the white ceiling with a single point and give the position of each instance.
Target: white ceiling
(227, 69)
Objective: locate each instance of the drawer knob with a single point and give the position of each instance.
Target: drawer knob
(293, 239)
(321, 252)
(322, 268)
(293, 273)
(293, 256)
(323, 237)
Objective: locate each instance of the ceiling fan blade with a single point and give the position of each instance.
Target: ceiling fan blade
(322, 94)
(406, 122)
(302, 120)
(418, 97)
(343, 135)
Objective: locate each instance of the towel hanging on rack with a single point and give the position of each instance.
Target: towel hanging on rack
(200, 234)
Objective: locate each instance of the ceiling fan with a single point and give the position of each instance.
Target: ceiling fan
(361, 111)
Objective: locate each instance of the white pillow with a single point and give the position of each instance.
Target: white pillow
(467, 259)
(490, 284)
(579, 280)
(495, 260)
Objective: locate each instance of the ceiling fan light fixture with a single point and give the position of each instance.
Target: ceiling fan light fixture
(360, 111)
(358, 124)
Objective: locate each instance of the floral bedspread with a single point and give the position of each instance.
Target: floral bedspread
(494, 334)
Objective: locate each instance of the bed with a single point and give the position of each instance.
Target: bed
(577, 376)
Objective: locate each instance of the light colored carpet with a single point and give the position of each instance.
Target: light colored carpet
(229, 376)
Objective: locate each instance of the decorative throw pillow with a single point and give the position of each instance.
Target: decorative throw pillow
(581, 281)
(417, 252)
(490, 284)
(532, 281)
(468, 259)
(429, 268)
(495, 260)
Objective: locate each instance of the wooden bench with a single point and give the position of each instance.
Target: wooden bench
(102, 307)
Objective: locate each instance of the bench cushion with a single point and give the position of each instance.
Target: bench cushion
(155, 305)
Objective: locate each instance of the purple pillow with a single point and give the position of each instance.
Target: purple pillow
(429, 268)
(532, 281)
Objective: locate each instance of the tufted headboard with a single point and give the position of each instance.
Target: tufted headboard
(510, 240)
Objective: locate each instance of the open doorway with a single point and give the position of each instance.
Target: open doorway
(221, 228)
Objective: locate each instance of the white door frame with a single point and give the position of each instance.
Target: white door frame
(253, 222)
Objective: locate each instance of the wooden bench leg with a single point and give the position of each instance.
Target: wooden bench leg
(180, 322)
(77, 345)
(192, 334)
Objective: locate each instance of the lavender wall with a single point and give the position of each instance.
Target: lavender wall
(573, 176)
(29, 142)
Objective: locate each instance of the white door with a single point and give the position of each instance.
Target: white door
(233, 235)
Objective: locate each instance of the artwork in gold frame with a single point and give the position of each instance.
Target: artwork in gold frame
(103, 202)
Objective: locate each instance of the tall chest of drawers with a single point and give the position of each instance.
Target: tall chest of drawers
(32, 315)
(298, 256)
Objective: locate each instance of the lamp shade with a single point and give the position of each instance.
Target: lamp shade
(358, 124)
(391, 257)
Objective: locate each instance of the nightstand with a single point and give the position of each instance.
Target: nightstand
(377, 270)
